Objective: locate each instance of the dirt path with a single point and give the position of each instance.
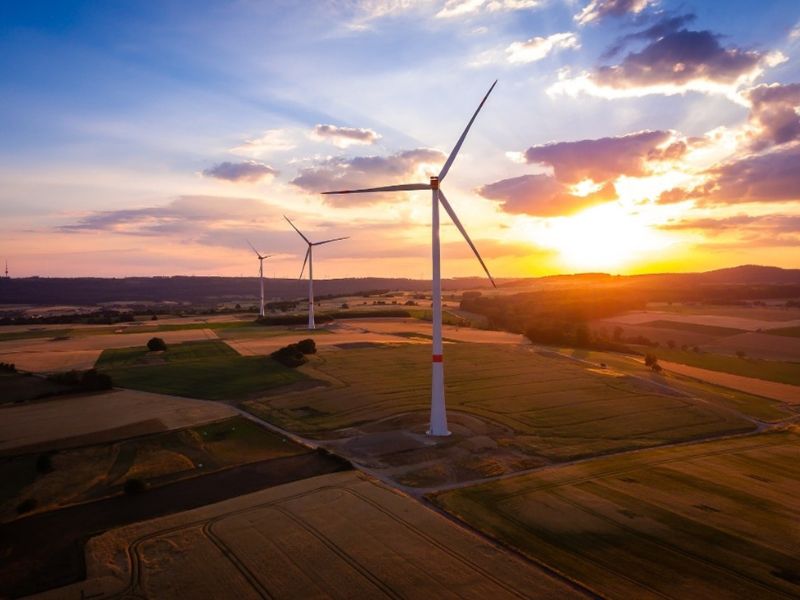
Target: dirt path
(46, 550)
(768, 389)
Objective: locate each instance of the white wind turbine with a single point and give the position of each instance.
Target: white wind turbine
(310, 260)
(438, 423)
(260, 275)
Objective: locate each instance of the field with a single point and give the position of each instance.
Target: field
(210, 370)
(91, 472)
(510, 408)
(62, 353)
(782, 372)
(711, 520)
(338, 536)
(78, 420)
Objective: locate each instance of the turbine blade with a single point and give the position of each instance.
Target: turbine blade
(254, 248)
(403, 187)
(460, 141)
(463, 231)
(305, 260)
(329, 241)
(297, 230)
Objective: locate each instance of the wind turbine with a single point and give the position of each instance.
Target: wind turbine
(309, 259)
(438, 423)
(260, 275)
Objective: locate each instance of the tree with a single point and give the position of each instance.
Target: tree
(289, 356)
(307, 346)
(650, 360)
(154, 317)
(345, 305)
(156, 344)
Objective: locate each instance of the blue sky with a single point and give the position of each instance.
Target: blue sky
(117, 116)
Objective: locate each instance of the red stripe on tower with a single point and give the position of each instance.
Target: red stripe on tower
(437, 358)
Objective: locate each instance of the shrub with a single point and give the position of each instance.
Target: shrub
(44, 463)
(92, 380)
(307, 346)
(67, 378)
(289, 356)
(155, 344)
(134, 486)
(8, 367)
(27, 505)
(650, 360)
(345, 306)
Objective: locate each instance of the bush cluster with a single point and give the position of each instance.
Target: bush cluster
(90, 380)
(8, 367)
(156, 344)
(293, 355)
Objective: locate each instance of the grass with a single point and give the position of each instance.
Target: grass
(553, 408)
(97, 471)
(694, 328)
(769, 370)
(717, 519)
(208, 369)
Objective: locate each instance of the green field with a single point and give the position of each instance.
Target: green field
(208, 369)
(770, 370)
(711, 520)
(92, 472)
(694, 327)
(552, 408)
(757, 407)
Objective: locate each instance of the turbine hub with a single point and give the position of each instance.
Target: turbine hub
(434, 183)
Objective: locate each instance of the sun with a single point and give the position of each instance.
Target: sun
(609, 237)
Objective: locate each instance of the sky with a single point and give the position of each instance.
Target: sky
(624, 136)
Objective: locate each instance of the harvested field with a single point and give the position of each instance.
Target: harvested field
(51, 354)
(768, 389)
(332, 536)
(713, 330)
(211, 370)
(543, 406)
(102, 417)
(91, 472)
(711, 520)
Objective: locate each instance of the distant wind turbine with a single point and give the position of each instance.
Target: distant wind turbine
(309, 259)
(438, 423)
(260, 275)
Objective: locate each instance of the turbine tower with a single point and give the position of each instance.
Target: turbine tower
(309, 259)
(438, 423)
(260, 275)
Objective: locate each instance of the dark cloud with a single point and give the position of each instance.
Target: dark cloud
(345, 136)
(249, 171)
(366, 171)
(771, 223)
(664, 26)
(679, 58)
(604, 159)
(597, 10)
(773, 114)
(542, 196)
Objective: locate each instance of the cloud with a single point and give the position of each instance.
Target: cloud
(249, 171)
(542, 196)
(743, 231)
(181, 215)
(774, 117)
(537, 48)
(462, 8)
(367, 171)
(772, 176)
(606, 158)
(272, 140)
(675, 60)
(597, 10)
(342, 137)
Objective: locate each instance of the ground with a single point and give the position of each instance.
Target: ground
(717, 519)
(338, 535)
(510, 408)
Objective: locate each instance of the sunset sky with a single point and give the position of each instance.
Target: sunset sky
(625, 136)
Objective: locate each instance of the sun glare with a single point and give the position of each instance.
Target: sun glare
(608, 237)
